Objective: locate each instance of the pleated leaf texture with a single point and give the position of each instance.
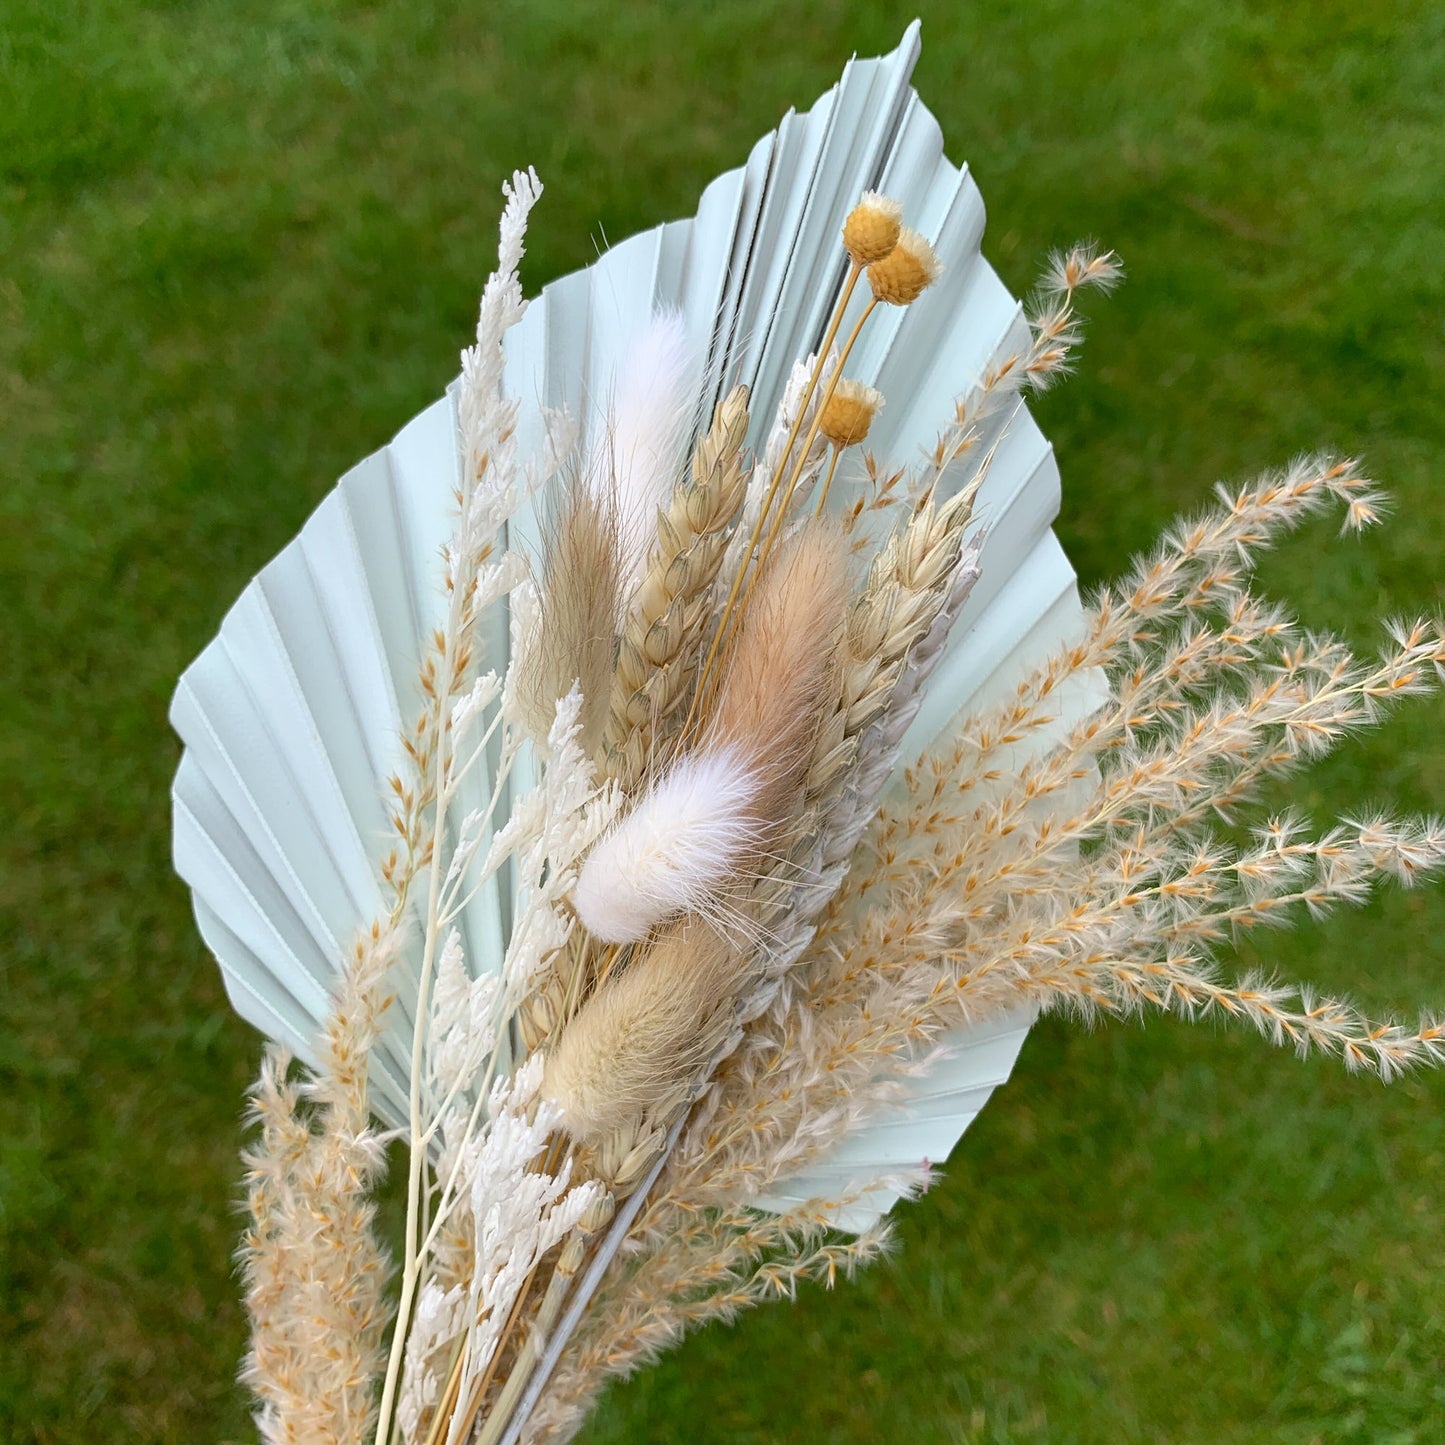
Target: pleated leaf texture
(292, 716)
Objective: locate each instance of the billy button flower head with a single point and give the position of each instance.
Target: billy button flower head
(849, 413)
(872, 228)
(908, 270)
(844, 420)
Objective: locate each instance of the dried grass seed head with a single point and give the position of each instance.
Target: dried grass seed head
(644, 1033)
(702, 824)
(872, 228)
(780, 669)
(849, 413)
(576, 640)
(686, 836)
(906, 272)
(1080, 266)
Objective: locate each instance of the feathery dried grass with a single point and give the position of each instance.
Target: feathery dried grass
(576, 638)
(314, 1270)
(971, 897)
(633, 465)
(713, 1267)
(687, 836)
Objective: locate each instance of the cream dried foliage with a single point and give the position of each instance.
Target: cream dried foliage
(670, 612)
(788, 947)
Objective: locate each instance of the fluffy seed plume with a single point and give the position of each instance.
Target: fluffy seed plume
(575, 640)
(849, 413)
(712, 811)
(908, 270)
(872, 228)
(644, 1035)
(636, 461)
(692, 828)
(778, 670)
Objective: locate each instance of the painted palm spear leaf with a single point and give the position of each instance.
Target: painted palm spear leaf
(544, 795)
(293, 717)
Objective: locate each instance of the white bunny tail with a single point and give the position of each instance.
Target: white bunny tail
(674, 850)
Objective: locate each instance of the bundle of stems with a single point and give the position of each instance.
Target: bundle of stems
(732, 943)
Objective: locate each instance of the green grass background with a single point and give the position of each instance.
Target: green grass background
(241, 245)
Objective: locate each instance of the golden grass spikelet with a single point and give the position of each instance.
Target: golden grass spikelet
(645, 1033)
(671, 609)
(871, 230)
(577, 637)
(906, 272)
(849, 413)
(906, 589)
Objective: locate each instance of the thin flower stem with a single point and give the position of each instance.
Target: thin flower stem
(453, 907)
(441, 1419)
(780, 513)
(479, 1394)
(725, 616)
(827, 483)
(416, 1161)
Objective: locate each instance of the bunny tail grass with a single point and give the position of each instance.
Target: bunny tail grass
(712, 811)
(636, 461)
(692, 829)
(780, 668)
(644, 1034)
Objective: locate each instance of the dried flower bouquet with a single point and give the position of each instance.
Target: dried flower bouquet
(732, 932)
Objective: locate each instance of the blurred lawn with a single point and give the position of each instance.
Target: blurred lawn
(242, 244)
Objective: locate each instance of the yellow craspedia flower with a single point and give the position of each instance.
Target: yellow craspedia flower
(871, 230)
(849, 413)
(906, 271)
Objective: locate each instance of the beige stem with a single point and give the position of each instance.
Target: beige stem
(827, 482)
(530, 1351)
(710, 661)
(780, 515)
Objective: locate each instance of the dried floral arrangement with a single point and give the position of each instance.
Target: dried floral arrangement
(702, 865)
